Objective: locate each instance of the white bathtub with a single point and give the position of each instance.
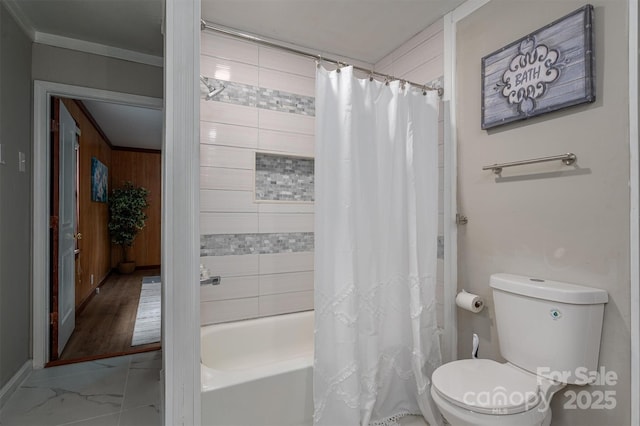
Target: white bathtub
(258, 372)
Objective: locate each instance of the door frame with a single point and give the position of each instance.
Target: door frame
(181, 213)
(449, 99)
(42, 93)
(634, 214)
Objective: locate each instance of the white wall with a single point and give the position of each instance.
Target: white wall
(252, 284)
(99, 72)
(552, 221)
(15, 196)
(420, 60)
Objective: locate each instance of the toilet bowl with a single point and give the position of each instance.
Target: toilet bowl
(476, 392)
(544, 328)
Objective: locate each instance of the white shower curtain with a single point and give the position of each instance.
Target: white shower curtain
(376, 183)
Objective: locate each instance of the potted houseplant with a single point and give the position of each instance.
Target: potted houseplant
(127, 216)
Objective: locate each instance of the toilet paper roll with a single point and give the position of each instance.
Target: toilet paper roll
(469, 301)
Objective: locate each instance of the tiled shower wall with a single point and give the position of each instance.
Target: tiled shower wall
(421, 60)
(260, 243)
(264, 250)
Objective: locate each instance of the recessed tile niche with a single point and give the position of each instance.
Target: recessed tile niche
(283, 178)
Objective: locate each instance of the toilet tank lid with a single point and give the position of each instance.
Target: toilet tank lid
(548, 290)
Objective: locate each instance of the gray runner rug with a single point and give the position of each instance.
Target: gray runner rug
(147, 328)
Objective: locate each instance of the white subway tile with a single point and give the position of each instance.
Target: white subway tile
(285, 222)
(434, 30)
(224, 69)
(286, 262)
(229, 310)
(388, 70)
(422, 53)
(223, 178)
(228, 223)
(227, 201)
(290, 143)
(232, 266)
(284, 283)
(286, 122)
(287, 82)
(231, 288)
(229, 157)
(275, 304)
(227, 134)
(285, 207)
(283, 61)
(228, 48)
(426, 72)
(222, 112)
(384, 64)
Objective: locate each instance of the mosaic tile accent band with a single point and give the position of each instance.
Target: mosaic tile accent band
(238, 244)
(284, 178)
(254, 96)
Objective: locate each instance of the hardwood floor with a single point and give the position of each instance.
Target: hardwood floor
(105, 325)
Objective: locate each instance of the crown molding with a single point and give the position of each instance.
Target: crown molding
(14, 9)
(20, 17)
(97, 49)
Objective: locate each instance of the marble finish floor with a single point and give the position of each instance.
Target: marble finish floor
(121, 391)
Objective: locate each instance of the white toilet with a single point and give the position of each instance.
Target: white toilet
(549, 333)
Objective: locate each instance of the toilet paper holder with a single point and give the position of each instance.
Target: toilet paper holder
(469, 301)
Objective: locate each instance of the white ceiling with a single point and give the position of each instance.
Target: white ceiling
(126, 24)
(128, 126)
(366, 30)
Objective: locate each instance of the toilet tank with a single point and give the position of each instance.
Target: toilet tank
(549, 328)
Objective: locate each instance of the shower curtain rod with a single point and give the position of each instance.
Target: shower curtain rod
(204, 25)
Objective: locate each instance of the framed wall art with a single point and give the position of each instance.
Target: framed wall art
(547, 70)
(99, 181)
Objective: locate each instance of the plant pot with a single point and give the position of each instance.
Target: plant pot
(126, 267)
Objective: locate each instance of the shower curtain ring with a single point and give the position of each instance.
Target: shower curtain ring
(387, 80)
(371, 75)
(424, 90)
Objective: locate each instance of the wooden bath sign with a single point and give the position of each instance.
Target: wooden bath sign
(549, 69)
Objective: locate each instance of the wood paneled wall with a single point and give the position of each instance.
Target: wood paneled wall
(95, 246)
(143, 168)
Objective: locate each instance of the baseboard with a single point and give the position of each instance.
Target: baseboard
(145, 267)
(150, 347)
(87, 299)
(15, 382)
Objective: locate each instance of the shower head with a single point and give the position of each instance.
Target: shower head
(212, 90)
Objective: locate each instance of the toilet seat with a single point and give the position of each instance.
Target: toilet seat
(487, 387)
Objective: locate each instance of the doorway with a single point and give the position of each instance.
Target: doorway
(44, 92)
(115, 314)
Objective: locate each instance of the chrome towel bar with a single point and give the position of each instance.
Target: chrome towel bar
(567, 159)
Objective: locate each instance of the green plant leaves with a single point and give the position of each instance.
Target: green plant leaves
(127, 216)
